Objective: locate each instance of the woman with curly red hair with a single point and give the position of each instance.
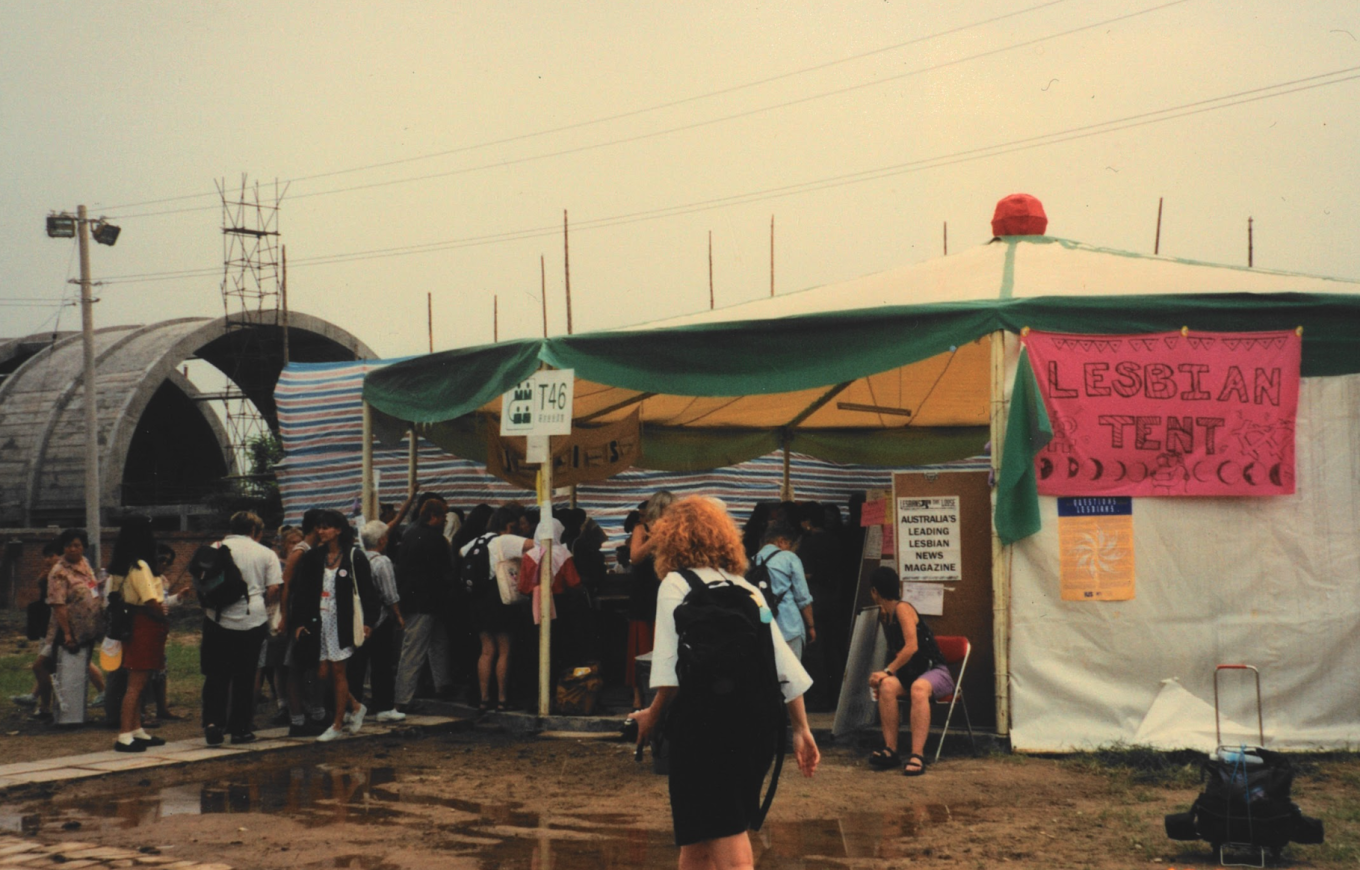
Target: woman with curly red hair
(716, 765)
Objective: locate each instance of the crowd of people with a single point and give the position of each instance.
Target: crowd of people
(340, 620)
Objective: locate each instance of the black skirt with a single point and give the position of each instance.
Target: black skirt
(717, 769)
(493, 617)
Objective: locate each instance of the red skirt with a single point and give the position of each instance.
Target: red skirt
(640, 639)
(145, 651)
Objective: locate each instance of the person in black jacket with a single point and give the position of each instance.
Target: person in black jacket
(425, 581)
(321, 615)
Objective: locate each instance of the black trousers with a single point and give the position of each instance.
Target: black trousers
(228, 659)
(378, 656)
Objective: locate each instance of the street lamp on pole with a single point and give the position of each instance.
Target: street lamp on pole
(64, 226)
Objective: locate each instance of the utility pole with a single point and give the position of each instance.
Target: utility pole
(92, 500)
(65, 226)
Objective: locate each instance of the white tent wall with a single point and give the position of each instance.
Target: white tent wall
(1270, 582)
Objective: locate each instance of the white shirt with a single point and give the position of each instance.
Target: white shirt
(793, 678)
(501, 548)
(260, 569)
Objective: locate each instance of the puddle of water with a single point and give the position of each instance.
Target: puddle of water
(494, 835)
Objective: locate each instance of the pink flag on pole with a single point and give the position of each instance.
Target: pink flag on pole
(1168, 414)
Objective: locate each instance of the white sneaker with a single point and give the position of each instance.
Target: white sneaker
(391, 716)
(328, 735)
(356, 719)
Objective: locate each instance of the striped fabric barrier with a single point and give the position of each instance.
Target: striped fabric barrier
(320, 424)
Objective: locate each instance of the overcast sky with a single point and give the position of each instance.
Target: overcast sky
(861, 127)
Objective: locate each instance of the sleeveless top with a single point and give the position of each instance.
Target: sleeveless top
(927, 655)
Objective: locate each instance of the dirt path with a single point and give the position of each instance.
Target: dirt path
(479, 799)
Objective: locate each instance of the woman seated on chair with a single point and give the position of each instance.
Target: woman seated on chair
(914, 660)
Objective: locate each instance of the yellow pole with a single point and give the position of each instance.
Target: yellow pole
(545, 584)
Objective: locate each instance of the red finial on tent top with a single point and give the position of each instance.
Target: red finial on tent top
(1019, 215)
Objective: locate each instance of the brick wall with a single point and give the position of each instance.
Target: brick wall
(21, 558)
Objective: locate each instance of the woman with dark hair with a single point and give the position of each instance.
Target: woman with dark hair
(915, 666)
(496, 620)
(474, 526)
(132, 575)
(322, 602)
(77, 612)
(717, 763)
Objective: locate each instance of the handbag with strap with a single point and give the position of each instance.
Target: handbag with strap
(507, 580)
(358, 621)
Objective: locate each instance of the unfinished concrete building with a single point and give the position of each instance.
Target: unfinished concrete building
(161, 448)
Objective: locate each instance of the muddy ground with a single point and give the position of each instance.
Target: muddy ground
(479, 798)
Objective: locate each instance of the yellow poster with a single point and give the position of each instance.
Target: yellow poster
(1095, 535)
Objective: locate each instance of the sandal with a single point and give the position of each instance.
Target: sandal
(884, 759)
(920, 765)
(502, 706)
(483, 707)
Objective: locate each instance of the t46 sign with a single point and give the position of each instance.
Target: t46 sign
(1167, 414)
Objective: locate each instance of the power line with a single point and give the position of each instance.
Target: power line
(608, 118)
(1074, 133)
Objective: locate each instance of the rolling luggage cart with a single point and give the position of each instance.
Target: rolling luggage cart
(1245, 808)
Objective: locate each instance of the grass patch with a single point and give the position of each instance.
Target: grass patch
(1129, 765)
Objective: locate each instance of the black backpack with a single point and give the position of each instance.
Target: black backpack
(758, 575)
(217, 581)
(726, 666)
(475, 569)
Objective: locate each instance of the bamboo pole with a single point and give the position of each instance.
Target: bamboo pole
(771, 255)
(566, 266)
(283, 301)
(786, 491)
(1157, 243)
(368, 495)
(543, 292)
(710, 270)
(412, 461)
(429, 317)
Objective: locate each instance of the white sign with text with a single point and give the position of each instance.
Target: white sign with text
(539, 405)
(928, 539)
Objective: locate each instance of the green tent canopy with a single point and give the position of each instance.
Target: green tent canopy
(890, 369)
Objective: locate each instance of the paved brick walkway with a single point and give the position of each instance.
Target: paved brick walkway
(26, 853)
(76, 767)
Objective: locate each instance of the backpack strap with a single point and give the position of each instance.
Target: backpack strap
(781, 749)
(695, 583)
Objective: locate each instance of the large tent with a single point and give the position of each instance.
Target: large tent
(913, 366)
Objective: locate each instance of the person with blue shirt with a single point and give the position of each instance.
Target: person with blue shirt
(793, 614)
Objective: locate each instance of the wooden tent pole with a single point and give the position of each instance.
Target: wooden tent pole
(545, 584)
(368, 498)
(412, 460)
(1001, 554)
(786, 492)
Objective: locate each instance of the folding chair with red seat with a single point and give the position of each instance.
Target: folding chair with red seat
(956, 650)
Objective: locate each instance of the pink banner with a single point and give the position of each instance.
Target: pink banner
(1166, 414)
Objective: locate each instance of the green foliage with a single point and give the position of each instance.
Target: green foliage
(256, 489)
(1127, 765)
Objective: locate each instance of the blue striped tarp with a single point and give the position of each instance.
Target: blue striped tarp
(320, 424)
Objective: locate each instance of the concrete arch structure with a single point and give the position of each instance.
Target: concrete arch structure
(155, 432)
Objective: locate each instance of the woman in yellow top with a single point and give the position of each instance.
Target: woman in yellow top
(130, 573)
